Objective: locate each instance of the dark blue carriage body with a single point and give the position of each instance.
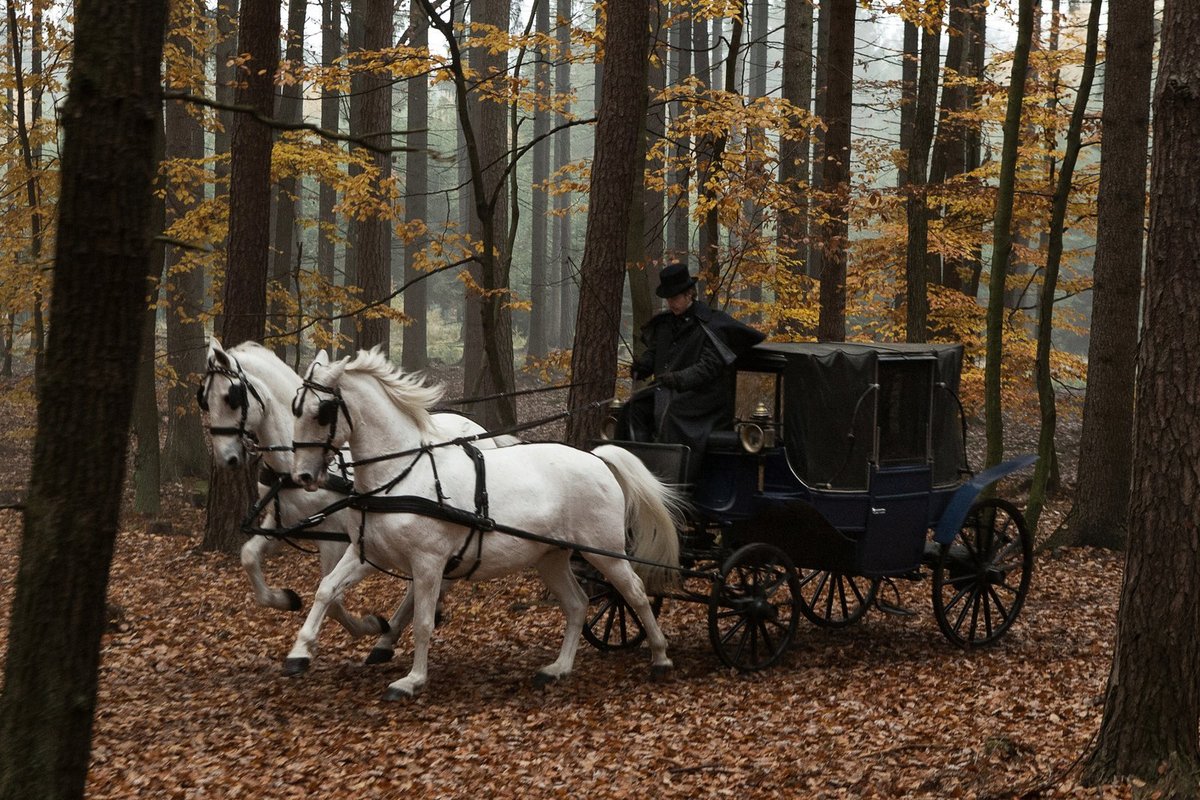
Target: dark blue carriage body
(863, 454)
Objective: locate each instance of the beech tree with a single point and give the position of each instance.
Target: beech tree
(245, 301)
(835, 168)
(1152, 703)
(1002, 233)
(619, 121)
(1101, 501)
(102, 268)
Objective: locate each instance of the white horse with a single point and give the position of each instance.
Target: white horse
(247, 392)
(563, 497)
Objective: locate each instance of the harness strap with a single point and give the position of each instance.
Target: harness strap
(481, 512)
(276, 483)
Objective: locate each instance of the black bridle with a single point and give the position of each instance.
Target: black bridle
(329, 410)
(238, 399)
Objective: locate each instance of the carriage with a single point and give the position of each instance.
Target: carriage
(846, 469)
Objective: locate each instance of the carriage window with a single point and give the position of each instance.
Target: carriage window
(903, 412)
(754, 388)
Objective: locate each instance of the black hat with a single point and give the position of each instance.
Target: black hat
(674, 279)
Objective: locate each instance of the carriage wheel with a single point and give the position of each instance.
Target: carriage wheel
(611, 623)
(982, 577)
(835, 599)
(752, 611)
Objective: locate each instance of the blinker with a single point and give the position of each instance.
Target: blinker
(237, 396)
(327, 412)
(202, 398)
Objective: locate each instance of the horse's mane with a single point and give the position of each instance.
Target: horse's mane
(408, 391)
(259, 360)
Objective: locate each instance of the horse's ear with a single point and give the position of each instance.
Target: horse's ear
(216, 353)
(335, 371)
(320, 359)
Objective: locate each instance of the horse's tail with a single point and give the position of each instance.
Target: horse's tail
(653, 513)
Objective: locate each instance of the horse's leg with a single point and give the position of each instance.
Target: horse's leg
(385, 646)
(555, 569)
(254, 552)
(356, 626)
(620, 574)
(347, 573)
(427, 574)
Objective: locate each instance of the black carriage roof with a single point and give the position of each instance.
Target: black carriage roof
(840, 402)
(772, 356)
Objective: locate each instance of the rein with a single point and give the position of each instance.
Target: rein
(464, 401)
(461, 440)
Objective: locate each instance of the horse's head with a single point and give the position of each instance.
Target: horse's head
(322, 423)
(234, 406)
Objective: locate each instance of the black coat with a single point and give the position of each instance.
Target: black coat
(697, 349)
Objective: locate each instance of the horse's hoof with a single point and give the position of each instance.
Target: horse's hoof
(384, 628)
(295, 666)
(379, 655)
(293, 600)
(659, 673)
(544, 679)
(393, 694)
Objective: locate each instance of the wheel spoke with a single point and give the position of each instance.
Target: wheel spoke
(959, 595)
(825, 578)
(962, 614)
(729, 634)
(999, 603)
(841, 596)
(766, 638)
(741, 648)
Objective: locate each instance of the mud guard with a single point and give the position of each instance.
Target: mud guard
(960, 503)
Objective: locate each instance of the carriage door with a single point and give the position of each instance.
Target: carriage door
(902, 467)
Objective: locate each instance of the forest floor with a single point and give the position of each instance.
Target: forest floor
(192, 703)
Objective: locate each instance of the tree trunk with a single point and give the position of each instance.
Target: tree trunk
(1002, 234)
(147, 460)
(916, 271)
(974, 145)
(290, 187)
(185, 454)
(562, 202)
(491, 208)
(372, 114)
(486, 139)
(1058, 217)
(539, 290)
(224, 52)
(1153, 700)
(909, 78)
(415, 352)
(713, 153)
(835, 179)
(648, 217)
(678, 227)
(619, 122)
(245, 303)
(793, 154)
(103, 262)
(1101, 505)
(331, 50)
(816, 254)
(949, 148)
(31, 161)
